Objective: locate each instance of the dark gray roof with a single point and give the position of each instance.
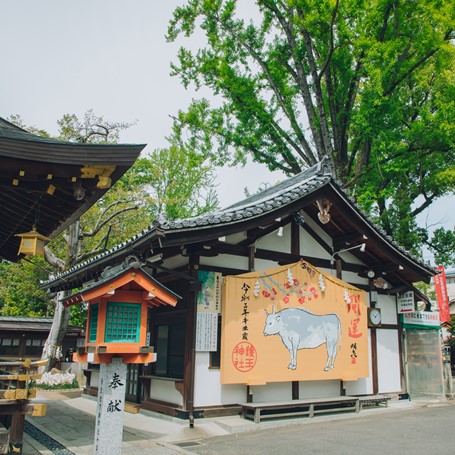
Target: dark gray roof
(38, 179)
(267, 202)
(24, 319)
(18, 143)
(22, 323)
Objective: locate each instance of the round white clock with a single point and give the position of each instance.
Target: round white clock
(374, 316)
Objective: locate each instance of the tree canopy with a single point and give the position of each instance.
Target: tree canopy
(20, 294)
(369, 84)
(170, 182)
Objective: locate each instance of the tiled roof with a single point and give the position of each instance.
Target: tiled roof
(269, 200)
(24, 319)
(266, 201)
(44, 182)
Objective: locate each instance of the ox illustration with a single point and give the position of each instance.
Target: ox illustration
(300, 329)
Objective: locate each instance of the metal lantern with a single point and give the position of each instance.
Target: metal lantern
(32, 243)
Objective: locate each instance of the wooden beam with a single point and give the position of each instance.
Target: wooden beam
(295, 250)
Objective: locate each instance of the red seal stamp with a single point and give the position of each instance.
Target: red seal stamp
(244, 356)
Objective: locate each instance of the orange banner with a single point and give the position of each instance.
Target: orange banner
(292, 323)
(440, 285)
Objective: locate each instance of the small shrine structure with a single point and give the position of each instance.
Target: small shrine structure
(116, 336)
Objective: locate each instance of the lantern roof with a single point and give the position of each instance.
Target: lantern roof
(133, 277)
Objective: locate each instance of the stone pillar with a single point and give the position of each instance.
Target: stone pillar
(448, 380)
(110, 408)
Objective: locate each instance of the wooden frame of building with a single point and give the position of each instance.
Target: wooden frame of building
(49, 184)
(305, 217)
(22, 337)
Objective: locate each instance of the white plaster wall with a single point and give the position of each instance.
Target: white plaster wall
(164, 390)
(353, 278)
(389, 377)
(207, 389)
(308, 246)
(176, 262)
(319, 389)
(388, 306)
(95, 379)
(262, 264)
(225, 260)
(276, 243)
(275, 391)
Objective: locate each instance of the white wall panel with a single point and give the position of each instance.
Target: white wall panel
(278, 391)
(389, 377)
(164, 390)
(387, 304)
(208, 391)
(225, 260)
(275, 242)
(362, 386)
(317, 389)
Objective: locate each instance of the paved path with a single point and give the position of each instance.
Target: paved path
(70, 424)
(419, 430)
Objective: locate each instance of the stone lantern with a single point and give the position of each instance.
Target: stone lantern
(116, 335)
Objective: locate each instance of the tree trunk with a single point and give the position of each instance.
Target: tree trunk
(53, 347)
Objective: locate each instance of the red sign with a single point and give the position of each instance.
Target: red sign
(440, 286)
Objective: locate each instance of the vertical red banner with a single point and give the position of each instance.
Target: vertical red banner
(440, 286)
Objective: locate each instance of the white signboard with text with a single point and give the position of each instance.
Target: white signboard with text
(423, 318)
(207, 332)
(406, 302)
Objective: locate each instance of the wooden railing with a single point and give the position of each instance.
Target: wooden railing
(15, 393)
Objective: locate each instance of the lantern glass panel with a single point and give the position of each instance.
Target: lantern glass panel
(122, 322)
(93, 323)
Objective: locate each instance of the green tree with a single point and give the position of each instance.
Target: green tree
(20, 294)
(171, 182)
(368, 84)
(90, 129)
(179, 182)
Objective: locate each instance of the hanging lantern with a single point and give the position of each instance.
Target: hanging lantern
(32, 243)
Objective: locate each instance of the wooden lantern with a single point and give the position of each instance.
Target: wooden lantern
(32, 243)
(117, 316)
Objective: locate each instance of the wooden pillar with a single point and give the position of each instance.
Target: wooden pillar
(374, 360)
(16, 432)
(374, 348)
(251, 251)
(22, 344)
(339, 272)
(190, 336)
(295, 249)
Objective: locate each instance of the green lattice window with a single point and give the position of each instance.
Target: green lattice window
(93, 323)
(122, 322)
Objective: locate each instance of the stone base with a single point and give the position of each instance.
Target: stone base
(62, 394)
